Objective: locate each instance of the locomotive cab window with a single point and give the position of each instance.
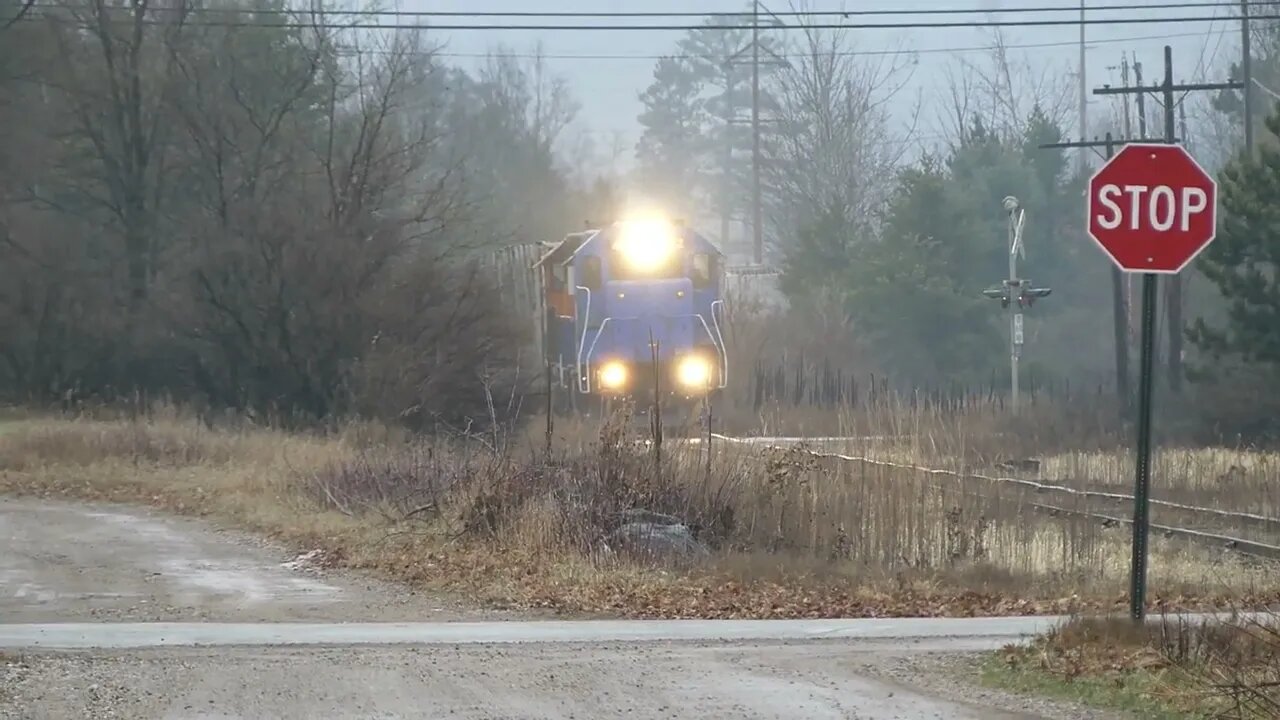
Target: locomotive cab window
(624, 266)
(592, 275)
(703, 271)
(646, 251)
(558, 277)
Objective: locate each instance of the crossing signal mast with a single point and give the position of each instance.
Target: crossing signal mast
(1015, 294)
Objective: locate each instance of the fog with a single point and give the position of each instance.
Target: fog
(306, 216)
(610, 85)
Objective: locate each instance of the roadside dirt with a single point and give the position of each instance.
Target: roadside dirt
(77, 563)
(80, 562)
(816, 681)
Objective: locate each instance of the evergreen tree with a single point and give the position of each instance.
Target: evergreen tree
(1243, 259)
(693, 150)
(1265, 69)
(672, 144)
(913, 289)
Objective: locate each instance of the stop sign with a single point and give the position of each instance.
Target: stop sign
(1152, 208)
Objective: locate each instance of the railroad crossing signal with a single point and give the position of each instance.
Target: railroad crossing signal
(1019, 291)
(1152, 208)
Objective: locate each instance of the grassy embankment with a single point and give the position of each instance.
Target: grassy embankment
(1171, 668)
(496, 519)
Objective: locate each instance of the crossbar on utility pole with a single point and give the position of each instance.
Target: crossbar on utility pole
(1142, 482)
(1098, 144)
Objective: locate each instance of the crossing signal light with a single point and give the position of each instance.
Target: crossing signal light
(1030, 295)
(1000, 294)
(1020, 290)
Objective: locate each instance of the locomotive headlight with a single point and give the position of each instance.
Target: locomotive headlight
(694, 372)
(646, 244)
(613, 376)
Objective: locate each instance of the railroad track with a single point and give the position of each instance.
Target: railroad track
(1240, 545)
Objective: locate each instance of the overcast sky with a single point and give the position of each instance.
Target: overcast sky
(608, 88)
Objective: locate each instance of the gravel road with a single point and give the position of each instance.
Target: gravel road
(814, 681)
(76, 563)
(66, 563)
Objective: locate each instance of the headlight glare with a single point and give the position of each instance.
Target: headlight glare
(694, 372)
(646, 244)
(613, 375)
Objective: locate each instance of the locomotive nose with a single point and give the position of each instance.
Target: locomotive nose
(658, 312)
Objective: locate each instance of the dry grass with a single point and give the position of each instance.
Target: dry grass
(1240, 480)
(790, 535)
(1171, 667)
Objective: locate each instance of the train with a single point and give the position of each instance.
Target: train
(634, 310)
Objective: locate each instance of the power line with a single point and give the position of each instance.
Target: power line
(842, 53)
(913, 25)
(741, 16)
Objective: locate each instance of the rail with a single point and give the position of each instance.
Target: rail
(1241, 545)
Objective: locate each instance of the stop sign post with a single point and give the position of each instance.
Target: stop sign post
(1152, 209)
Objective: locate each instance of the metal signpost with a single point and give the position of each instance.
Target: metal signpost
(1151, 208)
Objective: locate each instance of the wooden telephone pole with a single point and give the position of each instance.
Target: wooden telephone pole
(754, 47)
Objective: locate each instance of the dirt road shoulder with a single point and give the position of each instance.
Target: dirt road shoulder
(87, 562)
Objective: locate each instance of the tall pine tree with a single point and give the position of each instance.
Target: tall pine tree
(670, 149)
(1243, 260)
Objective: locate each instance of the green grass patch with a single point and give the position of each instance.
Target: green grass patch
(1169, 667)
(1145, 694)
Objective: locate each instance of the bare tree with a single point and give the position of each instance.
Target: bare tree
(1003, 92)
(117, 74)
(291, 211)
(17, 17)
(287, 286)
(833, 148)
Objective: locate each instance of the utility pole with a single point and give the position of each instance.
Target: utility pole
(1084, 95)
(726, 204)
(757, 210)
(1126, 279)
(1142, 104)
(1246, 69)
(1173, 303)
(1120, 315)
(1141, 506)
(1124, 78)
(1015, 294)
(757, 213)
(1142, 132)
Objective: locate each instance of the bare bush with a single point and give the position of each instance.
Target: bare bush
(268, 219)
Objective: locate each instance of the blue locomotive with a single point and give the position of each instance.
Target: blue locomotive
(631, 309)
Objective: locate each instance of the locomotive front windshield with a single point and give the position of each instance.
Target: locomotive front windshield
(646, 250)
(623, 266)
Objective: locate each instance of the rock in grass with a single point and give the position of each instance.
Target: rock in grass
(657, 541)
